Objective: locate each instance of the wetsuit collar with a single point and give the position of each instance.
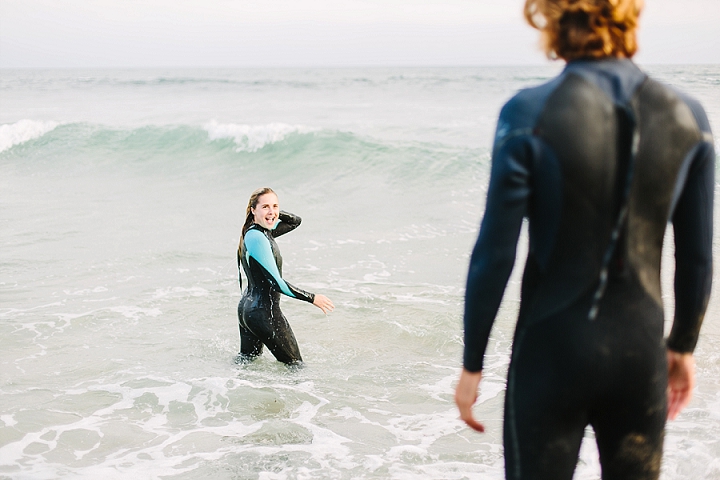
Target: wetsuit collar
(618, 77)
(603, 64)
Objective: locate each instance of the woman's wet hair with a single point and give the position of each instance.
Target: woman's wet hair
(574, 29)
(252, 203)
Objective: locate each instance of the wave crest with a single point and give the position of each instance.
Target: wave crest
(23, 131)
(251, 138)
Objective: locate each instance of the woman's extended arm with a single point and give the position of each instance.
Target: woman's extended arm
(258, 249)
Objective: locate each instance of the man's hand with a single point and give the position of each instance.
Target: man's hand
(466, 394)
(681, 381)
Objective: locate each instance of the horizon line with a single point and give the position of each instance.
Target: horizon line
(548, 63)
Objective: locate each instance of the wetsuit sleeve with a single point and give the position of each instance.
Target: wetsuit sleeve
(493, 257)
(288, 223)
(693, 227)
(258, 248)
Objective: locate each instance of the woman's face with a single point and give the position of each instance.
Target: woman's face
(266, 211)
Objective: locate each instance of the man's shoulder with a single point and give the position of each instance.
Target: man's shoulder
(524, 108)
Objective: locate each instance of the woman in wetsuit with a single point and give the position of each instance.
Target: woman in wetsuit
(598, 160)
(259, 316)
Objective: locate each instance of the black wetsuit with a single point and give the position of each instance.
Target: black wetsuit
(259, 316)
(599, 160)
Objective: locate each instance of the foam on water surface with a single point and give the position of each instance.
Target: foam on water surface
(250, 138)
(23, 131)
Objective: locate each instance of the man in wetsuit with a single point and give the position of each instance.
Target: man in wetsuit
(598, 159)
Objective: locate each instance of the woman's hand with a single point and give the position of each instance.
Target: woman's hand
(323, 303)
(681, 381)
(465, 397)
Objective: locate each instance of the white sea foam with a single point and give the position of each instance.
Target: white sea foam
(8, 420)
(134, 313)
(180, 292)
(22, 131)
(166, 454)
(251, 138)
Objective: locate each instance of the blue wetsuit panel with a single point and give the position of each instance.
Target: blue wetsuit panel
(258, 247)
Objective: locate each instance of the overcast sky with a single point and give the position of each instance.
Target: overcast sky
(252, 33)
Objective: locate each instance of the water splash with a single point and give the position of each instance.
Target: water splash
(23, 131)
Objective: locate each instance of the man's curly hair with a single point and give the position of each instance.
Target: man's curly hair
(573, 29)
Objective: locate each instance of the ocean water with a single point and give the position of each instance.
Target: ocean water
(122, 195)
